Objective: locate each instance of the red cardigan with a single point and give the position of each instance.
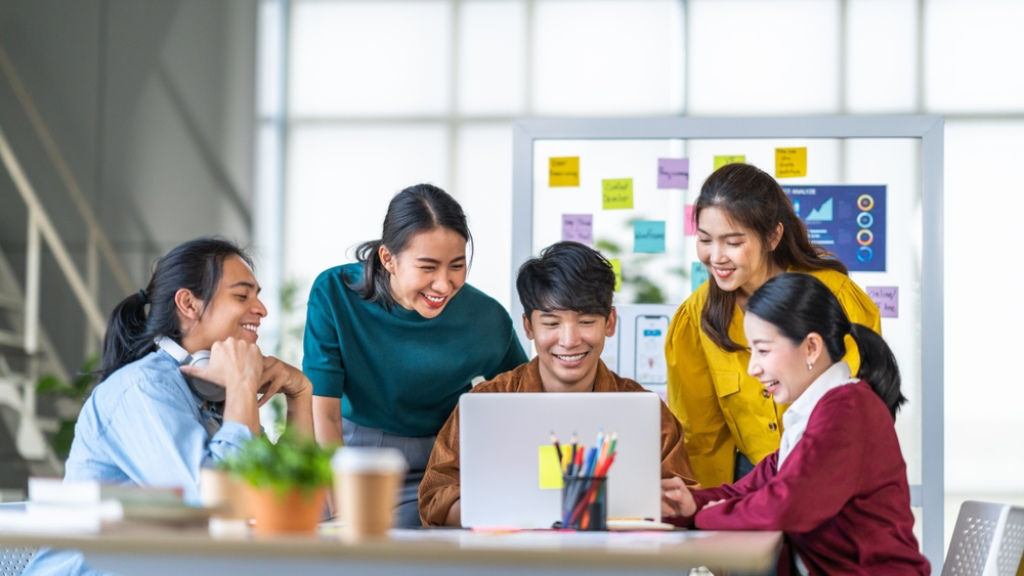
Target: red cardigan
(841, 497)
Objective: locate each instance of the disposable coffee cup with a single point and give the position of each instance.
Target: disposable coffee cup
(219, 491)
(366, 486)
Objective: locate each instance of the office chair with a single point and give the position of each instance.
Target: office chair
(988, 540)
(14, 560)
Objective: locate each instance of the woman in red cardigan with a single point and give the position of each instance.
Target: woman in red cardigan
(837, 487)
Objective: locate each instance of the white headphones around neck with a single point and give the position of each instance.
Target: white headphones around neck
(206, 390)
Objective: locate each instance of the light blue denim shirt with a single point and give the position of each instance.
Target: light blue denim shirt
(143, 425)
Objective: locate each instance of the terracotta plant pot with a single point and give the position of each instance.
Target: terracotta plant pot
(294, 511)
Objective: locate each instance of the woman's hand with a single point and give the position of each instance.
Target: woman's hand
(235, 364)
(279, 376)
(676, 499)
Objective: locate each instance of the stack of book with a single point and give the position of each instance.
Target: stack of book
(57, 506)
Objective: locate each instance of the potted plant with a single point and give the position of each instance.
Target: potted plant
(285, 484)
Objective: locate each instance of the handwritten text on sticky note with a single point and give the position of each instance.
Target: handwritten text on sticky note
(549, 470)
(674, 173)
(887, 298)
(578, 228)
(790, 162)
(617, 194)
(649, 236)
(698, 275)
(564, 171)
(729, 159)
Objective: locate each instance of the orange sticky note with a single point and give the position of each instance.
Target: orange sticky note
(564, 172)
(790, 162)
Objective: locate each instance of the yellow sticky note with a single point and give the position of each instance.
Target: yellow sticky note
(548, 470)
(564, 171)
(733, 159)
(617, 194)
(790, 162)
(617, 268)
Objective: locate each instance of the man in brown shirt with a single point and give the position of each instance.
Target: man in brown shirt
(567, 301)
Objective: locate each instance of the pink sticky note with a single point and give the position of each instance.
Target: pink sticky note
(674, 173)
(887, 298)
(578, 228)
(690, 228)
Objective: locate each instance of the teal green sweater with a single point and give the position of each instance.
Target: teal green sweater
(396, 370)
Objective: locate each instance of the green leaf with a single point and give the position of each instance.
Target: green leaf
(292, 462)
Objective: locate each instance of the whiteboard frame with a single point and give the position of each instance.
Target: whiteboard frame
(929, 495)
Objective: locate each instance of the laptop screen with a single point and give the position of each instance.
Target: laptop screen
(508, 463)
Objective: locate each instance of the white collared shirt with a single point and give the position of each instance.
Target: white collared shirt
(794, 421)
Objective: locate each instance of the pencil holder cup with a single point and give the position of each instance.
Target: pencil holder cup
(584, 502)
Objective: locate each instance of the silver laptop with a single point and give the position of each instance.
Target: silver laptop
(502, 438)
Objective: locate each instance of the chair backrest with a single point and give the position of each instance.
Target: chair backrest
(988, 540)
(14, 560)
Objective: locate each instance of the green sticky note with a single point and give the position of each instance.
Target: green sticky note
(733, 159)
(617, 194)
(549, 469)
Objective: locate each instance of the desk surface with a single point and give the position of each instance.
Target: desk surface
(423, 551)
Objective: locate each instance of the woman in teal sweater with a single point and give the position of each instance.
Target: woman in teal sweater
(393, 339)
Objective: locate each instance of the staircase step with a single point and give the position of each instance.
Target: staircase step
(11, 340)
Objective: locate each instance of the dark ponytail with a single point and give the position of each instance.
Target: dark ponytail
(799, 304)
(878, 367)
(196, 266)
(416, 209)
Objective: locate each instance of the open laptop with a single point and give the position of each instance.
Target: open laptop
(503, 438)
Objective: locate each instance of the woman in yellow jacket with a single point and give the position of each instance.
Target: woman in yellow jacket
(747, 232)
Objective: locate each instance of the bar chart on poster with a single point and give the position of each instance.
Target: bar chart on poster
(868, 189)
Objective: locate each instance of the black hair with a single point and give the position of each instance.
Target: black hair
(567, 276)
(798, 304)
(754, 200)
(418, 208)
(196, 265)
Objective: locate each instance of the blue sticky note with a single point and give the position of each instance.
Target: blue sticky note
(698, 275)
(649, 236)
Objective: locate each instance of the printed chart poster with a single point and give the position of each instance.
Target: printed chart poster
(846, 220)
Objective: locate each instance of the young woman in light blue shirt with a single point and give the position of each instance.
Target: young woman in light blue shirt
(155, 418)
(160, 413)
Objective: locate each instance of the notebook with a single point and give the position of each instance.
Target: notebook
(501, 436)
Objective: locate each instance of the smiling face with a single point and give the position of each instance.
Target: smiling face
(569, 346)
(777, 362)
(733, 254)
(428, 272)
(234, 309)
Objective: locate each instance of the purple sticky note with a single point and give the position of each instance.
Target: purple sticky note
(887, 298)
(690, 228)
(578, 228)
(674, 173)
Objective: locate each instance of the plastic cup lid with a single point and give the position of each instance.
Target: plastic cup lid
(364, 459)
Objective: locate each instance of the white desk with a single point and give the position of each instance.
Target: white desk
(158, 552)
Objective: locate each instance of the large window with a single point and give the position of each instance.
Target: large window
(362, 98)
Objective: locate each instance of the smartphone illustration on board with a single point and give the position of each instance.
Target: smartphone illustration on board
(650, 334)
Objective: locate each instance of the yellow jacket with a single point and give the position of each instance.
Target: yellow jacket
(721, 407)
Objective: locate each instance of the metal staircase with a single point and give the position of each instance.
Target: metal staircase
(26, 352)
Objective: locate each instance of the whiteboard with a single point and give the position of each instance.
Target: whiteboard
(897, 159)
